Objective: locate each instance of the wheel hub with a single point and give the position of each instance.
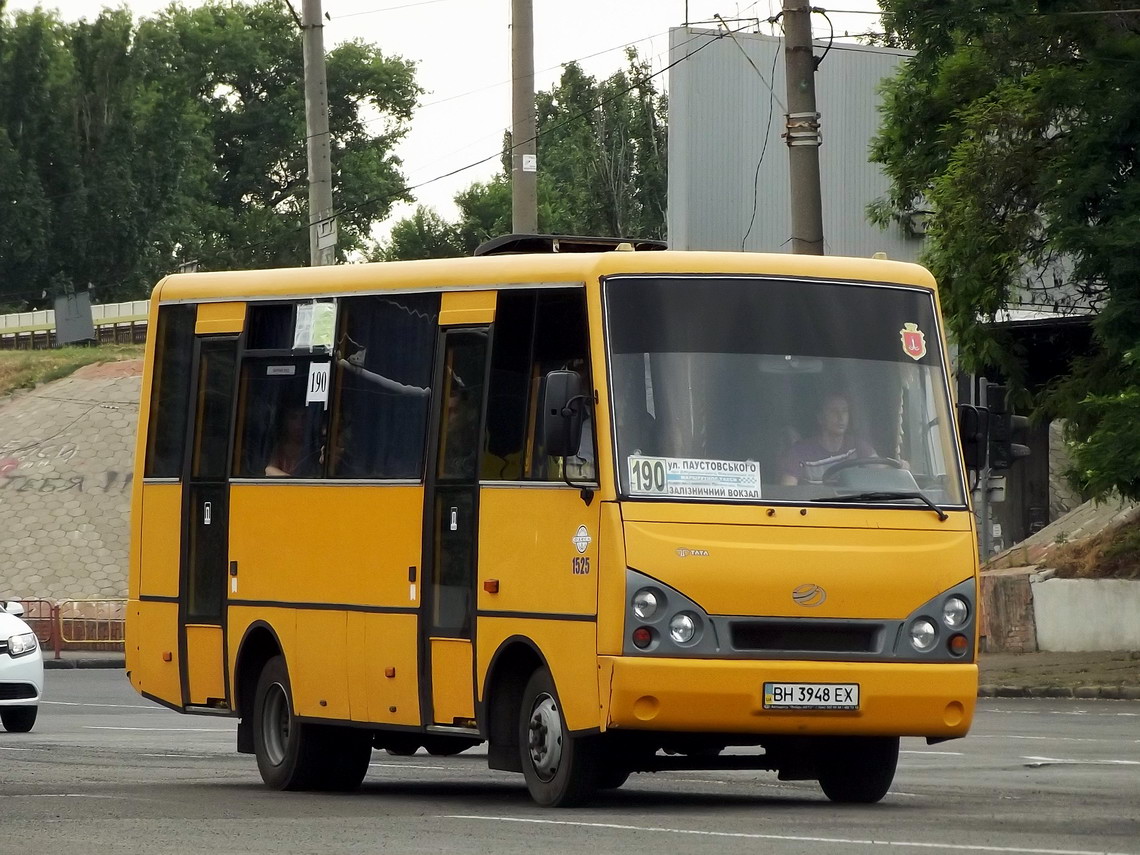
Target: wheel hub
(544, 731)
(275, 724)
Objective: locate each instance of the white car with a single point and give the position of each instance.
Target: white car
(21, 670)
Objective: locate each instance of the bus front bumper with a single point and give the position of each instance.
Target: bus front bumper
(727, 696)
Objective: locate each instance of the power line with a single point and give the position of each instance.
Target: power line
(388, 9)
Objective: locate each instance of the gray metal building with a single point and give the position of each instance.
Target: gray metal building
(728, 164)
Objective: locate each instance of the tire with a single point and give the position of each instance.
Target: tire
(18, 719)
(295, 755)
(859, 770)
(613, 776)
(447, 746)
(561, 769)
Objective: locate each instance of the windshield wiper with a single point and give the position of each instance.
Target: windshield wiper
(886, 496)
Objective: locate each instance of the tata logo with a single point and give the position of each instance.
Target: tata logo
(581, 539)
(685, 553)
(809, 595)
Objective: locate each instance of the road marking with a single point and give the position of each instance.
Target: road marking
(1053, 738)
(183, 756)
(6, 748)
(1056, 761)
(942, 753)
(59, 796)
(405, 766)
(150, 707)
(957, 847)
(162, 729)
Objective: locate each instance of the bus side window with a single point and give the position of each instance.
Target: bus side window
(536, 331)
(382, 389)
(170, 391)
(278, 434)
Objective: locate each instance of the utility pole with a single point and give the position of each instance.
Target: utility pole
(802, 133)
(322, 223)
(524, 148)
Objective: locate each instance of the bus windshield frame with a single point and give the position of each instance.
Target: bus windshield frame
(765, 389)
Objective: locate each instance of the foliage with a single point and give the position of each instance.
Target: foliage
(1017, 126)
(127, 149)
(602, 167)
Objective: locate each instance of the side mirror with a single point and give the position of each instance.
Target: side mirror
(974, 431)
(562, 403)
(14, 608)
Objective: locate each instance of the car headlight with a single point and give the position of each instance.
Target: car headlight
(923, 635)
(955, 612)
(26, 642)
(645, 604)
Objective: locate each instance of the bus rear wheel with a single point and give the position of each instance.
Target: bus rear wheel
(561, 769)
(859, 770)
(295, 755)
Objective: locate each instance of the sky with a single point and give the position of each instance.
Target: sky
(462, 50)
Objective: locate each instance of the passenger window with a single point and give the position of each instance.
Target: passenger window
(280, 431)
(383, 367)
(170, 391)
(535, 332)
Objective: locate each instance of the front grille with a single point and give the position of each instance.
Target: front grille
(16, 691)
(805, 636)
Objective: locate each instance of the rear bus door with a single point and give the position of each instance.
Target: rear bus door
(205, 538)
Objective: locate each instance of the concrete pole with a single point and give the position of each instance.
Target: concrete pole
(322, 226)
(524, 160)
(802, 134)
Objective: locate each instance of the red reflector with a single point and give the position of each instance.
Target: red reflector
(958, 644)
(642, 637)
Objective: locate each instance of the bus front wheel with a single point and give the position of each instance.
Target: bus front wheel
(859, 770)
(561, 769)
(295, 755)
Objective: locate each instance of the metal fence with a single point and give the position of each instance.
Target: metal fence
(77, 624)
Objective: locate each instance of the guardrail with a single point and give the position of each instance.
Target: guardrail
(117, 323)
(84, 624)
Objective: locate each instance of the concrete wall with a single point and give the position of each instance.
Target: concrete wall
(1087, 614)
(1007, 611)
(66, 465)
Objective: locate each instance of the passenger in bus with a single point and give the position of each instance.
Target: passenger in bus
(290, 457)
(807, 460)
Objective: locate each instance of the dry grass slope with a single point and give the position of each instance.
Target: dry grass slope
(26, 369)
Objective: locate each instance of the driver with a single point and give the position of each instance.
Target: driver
(807, 460)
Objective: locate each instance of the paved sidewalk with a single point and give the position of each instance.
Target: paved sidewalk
(1111, 674)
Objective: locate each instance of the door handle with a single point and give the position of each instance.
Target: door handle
(455, 519)
(206, 508)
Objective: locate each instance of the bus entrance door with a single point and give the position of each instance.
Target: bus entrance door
(451, 527)
(206, 533)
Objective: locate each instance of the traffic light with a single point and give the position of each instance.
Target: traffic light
(1008, 431)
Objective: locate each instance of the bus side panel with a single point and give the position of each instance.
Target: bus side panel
(611, 581)
(152, 634)
(384, 672)
(329, 552)
(541, 544)
(152, 627)
(568, 648)
(239, 619)
(160, 533)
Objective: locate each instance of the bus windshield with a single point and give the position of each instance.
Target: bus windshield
(749, 389)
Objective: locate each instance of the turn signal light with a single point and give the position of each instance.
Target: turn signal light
(642, 637)
(958, 644)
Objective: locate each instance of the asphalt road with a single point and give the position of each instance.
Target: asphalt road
(105, 771)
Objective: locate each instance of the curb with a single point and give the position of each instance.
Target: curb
(67, 664)
(1116, 693)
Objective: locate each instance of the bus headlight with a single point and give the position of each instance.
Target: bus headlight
(645, 604)
(923, 635)
(955, 612)
(683, 628)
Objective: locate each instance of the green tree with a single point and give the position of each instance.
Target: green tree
(602, 165)
(1017, 126)
(129, 149)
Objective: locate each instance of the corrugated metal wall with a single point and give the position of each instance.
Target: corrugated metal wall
(719, 111)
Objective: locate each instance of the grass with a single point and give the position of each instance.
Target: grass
(25, 369)
(1112, 554)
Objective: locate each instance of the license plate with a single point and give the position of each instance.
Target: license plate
(811, 696)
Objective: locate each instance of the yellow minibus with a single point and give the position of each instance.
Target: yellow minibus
(605, 507)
